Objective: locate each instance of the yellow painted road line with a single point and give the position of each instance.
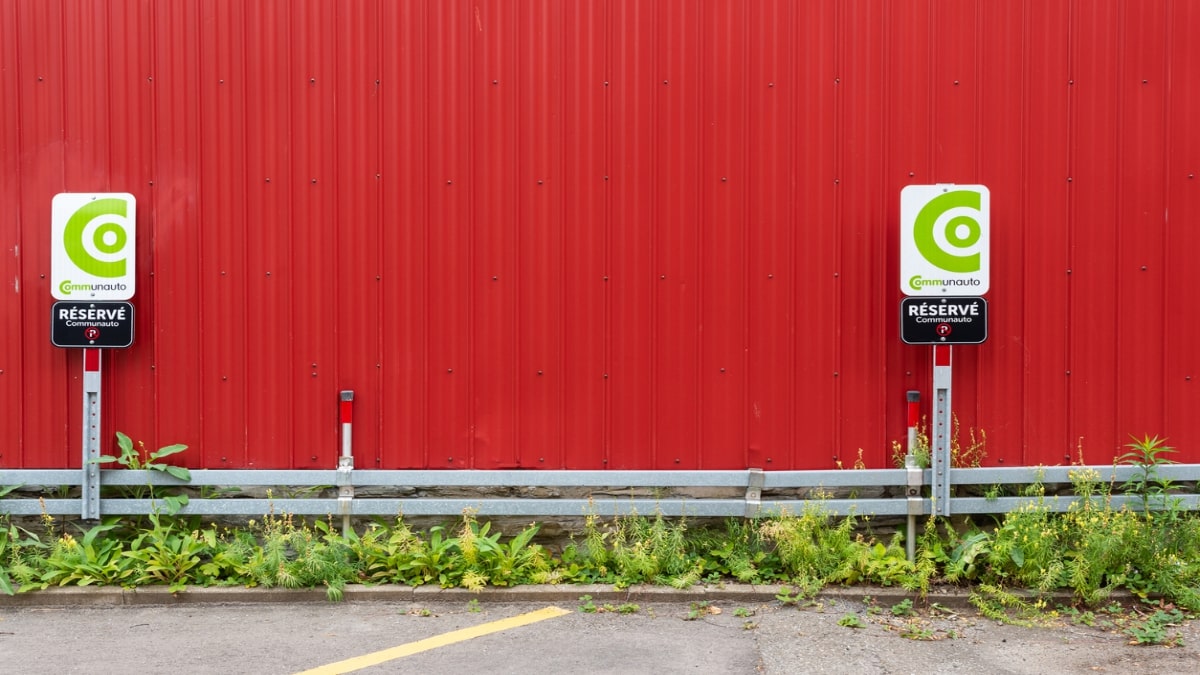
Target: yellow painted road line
(376, 658)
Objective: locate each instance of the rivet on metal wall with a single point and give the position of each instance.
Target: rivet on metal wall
(313, 458)
(837, 80)
(606, 278)
(539, 373)
(40, 78)
(606, 178)
(1068, 372)
(1145, 81)
(956, 83)
(449, 370)
(150, 183)
(1069, 179)
(770, 84)
(267, 179)
(1143, 268)
(220, 81)
(911, 174)
(722, 370)
(606, 83)
(312, 80)
(314, 181)
(724, 179)
(495, 278)
(495, 81)
(1068, 271)
(662, 276)
(149, 79)
(666, 81)
(835, 373)
(836, 275)
(539, 182)
(1071, 82)
(449, 182)
(770, 276)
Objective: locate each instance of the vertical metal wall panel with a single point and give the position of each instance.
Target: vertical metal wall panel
(269, 192)
(1002, 103)
(1092, 224)
(131, 165)
(609, 234)
(1142, 212)
(676, 223)
(859, 371)
(315, 243)
(629, 85)
(179, 211)
(357, 223)
(452, 29)
(817, 246)
(722, 282)
(222, 230)
(586, 278)
(493, 171)
(1045, 258)
(12, 392)
(50, 421)
(771, 321)
(539, 424)
(405, 217)
(1182, 326)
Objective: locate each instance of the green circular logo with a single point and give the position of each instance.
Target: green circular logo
(960, 231)
(108, 239)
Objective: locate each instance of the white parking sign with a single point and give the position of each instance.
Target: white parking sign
(92, 246)
(944, 239)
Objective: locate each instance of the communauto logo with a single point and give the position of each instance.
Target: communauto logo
(954, 215)
(101, 250)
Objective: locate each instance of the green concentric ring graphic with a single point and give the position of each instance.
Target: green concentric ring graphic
(925, 227)
(76, 246)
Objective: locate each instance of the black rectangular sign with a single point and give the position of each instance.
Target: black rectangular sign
(92, 324)
(943, 321)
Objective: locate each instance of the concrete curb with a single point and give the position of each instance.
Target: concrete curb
(89, 596)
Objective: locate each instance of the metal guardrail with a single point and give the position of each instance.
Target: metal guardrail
(909, 489)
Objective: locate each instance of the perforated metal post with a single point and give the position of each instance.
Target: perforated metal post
(942, 358)
(90, 497)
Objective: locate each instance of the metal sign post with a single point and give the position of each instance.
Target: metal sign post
(941, 429)
(91, 434)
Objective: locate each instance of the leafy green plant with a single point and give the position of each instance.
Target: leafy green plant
(139, 459)
(586, 605)
(903, 608)
(850, 620)
(1146, 455)
(1153, 630)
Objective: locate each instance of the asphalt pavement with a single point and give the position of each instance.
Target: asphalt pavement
(563, 629)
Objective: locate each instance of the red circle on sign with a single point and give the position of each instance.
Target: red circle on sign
(91, 333)
(943, 329)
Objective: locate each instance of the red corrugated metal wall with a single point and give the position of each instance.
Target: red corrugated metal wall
(616, 233)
